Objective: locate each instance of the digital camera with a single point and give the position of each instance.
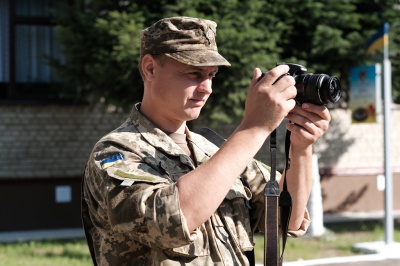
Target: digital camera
(319, 89)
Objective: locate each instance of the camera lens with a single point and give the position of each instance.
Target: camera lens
(317, 88)
(330, 89)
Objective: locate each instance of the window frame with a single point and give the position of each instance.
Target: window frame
(12, 90)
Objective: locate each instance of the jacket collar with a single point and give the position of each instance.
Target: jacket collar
(201, 147)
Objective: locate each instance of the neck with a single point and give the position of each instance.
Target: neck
(160, 121)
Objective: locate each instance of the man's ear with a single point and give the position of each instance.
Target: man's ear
(148, 64)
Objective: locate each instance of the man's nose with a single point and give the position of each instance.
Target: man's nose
(205, 86)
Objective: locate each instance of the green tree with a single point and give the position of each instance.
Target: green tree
(101, 43)
(330, 36)
(101, 49)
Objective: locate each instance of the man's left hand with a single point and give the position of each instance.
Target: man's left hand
(308, 123)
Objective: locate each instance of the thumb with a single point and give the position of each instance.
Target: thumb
(256, 75)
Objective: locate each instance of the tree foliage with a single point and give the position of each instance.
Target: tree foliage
(101, 43)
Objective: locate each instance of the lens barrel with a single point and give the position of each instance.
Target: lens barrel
(317, 88)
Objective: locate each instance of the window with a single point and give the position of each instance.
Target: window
(27, 39)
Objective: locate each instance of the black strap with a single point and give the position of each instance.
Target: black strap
(272, 256)
(251, 257)
(271, 193)
(285, 200)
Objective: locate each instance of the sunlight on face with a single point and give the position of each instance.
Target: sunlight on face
(179, 91)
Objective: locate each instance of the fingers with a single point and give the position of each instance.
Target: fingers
(276, 83)
(311, 112)
(256, 75)
(272, 76)
(318, 110)
(309, 121)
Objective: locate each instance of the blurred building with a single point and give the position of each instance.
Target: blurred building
(45, 138)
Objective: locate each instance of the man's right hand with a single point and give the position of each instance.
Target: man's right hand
(270, 99)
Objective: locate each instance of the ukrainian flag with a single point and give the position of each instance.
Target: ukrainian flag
(116, 159)
(379, 40)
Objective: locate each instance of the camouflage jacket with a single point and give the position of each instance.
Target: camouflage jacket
(130, 202)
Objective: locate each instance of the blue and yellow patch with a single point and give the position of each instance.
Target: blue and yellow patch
(115, 159)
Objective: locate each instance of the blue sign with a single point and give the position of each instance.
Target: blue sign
(365, 84)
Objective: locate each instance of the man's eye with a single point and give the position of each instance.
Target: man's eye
(194, 75)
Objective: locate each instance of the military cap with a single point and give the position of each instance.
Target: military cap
(188, 40)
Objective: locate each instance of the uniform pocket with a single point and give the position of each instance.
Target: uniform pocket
(234, 214)
(199, 247)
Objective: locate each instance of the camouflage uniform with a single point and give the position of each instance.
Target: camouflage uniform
(130, 205)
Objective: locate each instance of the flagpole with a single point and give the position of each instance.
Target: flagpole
(389, 246)
(387, 103)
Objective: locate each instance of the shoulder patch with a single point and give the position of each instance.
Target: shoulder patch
(115, 159)
(134, 177)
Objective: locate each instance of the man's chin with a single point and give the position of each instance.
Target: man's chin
(193, 115)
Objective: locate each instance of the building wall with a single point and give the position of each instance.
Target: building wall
(39, 204)
(357, 193)
(50, 141)
(352, 159)
(358, 148)
(44, 149)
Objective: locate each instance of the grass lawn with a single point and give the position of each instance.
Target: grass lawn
(45, 253)
(338, 241)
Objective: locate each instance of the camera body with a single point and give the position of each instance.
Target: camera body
(319, 89)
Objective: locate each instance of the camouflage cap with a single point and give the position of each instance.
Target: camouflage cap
(188, 40)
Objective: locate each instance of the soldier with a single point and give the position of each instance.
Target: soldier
(155, 193)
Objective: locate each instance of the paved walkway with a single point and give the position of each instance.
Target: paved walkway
(360, 260)
(388, 262)
(378, 253)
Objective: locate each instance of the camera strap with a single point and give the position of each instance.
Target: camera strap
(275, 201)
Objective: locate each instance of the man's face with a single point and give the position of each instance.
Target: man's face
(179, 91)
